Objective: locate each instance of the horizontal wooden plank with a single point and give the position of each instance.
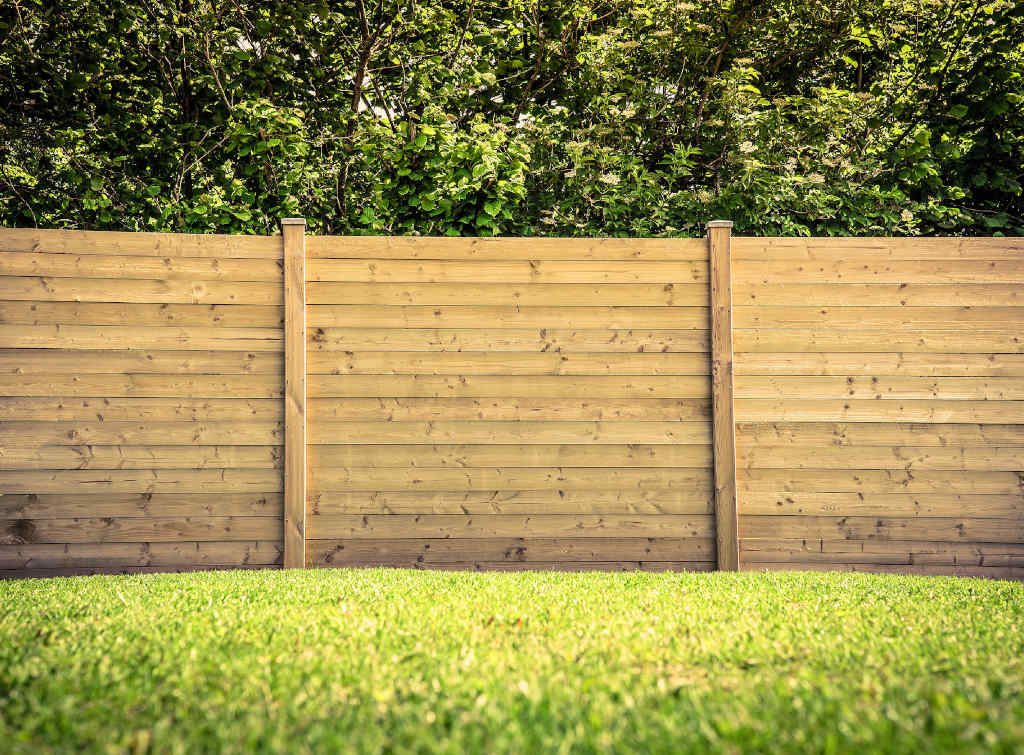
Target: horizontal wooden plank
(324, 411)
(923, 551)
(878, 434)
(553, 566)
(506, 248)
(119, 313)
(507, 363)
(391, 387)
(513, 432)
(878, 294)
(551, 478)
(982, 458)
(1005, 341)
(143, 386)
(29, 434)
(858, 318)
(137, 530)
(141, 481)
(888, 528)
(83, 571)
(121, 267)
(523, 502)
(829, 248)
(175, 410)
(881, 363)
(144, 337)
(140, 291)
(422, 456)
(691, 384)
(127, 505)
(508, 316)
(878, 481)
(121, 362)
(139, 244)
(519, 340)
(871, 410)
(493, 525)
(879, 387)
(1007, 506)
(113, 555)
(768, 271)
(145, 457)
(505, 271)
(981, 572)
(439, 550)
(507, 293)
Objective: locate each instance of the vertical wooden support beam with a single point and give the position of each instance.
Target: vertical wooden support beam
(293, 235)
(724, 419)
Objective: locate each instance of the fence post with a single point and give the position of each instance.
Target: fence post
(293, 236)
(724, 420)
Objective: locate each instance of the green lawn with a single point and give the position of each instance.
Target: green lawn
(386, 660)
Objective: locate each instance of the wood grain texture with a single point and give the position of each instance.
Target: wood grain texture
(139, 244)
(508, 293)
(837, 248)
(114, 313)
(722, 392)
(295, 464)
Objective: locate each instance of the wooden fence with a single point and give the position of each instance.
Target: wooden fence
(179, 402)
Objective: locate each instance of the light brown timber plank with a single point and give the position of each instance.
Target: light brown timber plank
(879, 481)
(1006, 506)
(255, 413)
(141, 481)
(349, 551)
(506, 271)
(552, 478)
(980, 458)
(878, 434)
(75, 362)
(140, 291)
(118, 313)
(327, 410)
(115, 555)
(879, 387)
(872, 410)
(145, 337)
(957, 271)
(140, 244)
(511, 294)
(878, 294)
(633, 501)
(834, 248)
(859, 318)
(881, 363)
(127, 505)
(514, 432)
(120, 267)
(136, 530)
(143, 386)
(1007, 341)
(518, 340)
(509, 316)
(507, 248)
(983, 572)
(954, 529)
(422, 456)
(491, 525)
(142, 457)
(392, 387)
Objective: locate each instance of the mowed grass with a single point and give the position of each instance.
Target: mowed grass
(406, 661)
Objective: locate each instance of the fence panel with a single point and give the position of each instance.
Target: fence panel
(140, 402)
(512, 403)
(880, 404)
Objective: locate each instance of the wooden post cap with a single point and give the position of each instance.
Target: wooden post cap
(293, 221)
(719, 224)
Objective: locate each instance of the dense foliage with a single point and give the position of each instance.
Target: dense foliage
(569, 117)
(401, 661)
